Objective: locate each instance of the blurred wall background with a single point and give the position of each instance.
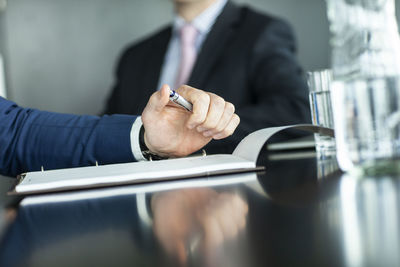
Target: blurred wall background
(60, 55)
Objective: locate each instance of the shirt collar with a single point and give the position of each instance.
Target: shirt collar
(205, 20)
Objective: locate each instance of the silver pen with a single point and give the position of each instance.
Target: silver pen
(178, 99)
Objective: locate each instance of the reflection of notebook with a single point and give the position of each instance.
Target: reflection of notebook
(243, 159)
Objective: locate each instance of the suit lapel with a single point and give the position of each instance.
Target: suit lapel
(151, 72)
(214, 44)
(156, 59)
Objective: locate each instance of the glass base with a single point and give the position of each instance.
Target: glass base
(378, 168)
(325, 144)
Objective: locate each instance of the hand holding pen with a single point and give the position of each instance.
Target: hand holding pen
(183, 132)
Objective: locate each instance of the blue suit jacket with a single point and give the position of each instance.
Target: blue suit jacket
(30, 139)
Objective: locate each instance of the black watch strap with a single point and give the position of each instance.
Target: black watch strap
(142, 144)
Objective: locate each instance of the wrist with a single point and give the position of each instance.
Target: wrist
(147, 152)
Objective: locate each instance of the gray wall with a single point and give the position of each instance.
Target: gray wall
(60, 55)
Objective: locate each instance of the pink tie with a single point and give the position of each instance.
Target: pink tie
(188, 54)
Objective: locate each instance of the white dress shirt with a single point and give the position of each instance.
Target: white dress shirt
(2, 79)
(203, 23)
(135, 146)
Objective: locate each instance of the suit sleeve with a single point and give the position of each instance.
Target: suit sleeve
(277, 80)
(277, 85)
(30, 139)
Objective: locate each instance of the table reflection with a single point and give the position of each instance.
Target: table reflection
(191, 224)
(300, 212)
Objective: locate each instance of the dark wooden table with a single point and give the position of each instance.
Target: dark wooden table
(301, 212)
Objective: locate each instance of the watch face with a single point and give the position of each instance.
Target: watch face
(150, 156)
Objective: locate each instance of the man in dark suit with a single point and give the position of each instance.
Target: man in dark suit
(246, 57)
(30, 138)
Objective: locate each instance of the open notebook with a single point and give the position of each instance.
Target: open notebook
(243, 159)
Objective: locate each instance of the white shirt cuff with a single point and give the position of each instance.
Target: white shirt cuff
(136, 151)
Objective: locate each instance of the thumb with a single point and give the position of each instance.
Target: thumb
(159, 99)
(181, 252)
(163, 98)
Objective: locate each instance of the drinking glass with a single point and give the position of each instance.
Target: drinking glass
(321, 108)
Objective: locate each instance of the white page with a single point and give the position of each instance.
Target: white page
(244, 157)
(137, 171)
(251, 145)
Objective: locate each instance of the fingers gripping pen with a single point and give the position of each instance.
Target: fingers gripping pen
(178, 99)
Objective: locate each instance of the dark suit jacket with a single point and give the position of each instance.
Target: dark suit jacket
(30, 139)
(247, 58)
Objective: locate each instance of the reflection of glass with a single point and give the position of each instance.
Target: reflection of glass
(366, 88)
(321, 107)
(358, 221)
(370, 219)
(326, 165)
